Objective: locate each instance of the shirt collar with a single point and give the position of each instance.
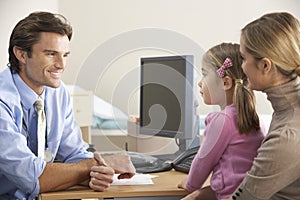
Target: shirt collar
(28, 96)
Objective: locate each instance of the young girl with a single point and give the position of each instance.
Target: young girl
(233, 135)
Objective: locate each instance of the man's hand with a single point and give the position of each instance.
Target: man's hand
(122, 165)
(101, 174)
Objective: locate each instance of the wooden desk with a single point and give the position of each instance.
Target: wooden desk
(165, 185)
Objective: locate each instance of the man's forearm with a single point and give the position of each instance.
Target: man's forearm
(59, 176)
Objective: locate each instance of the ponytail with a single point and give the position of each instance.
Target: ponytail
(244, 101)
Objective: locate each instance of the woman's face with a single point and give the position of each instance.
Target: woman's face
(211, 86)
(250, 67)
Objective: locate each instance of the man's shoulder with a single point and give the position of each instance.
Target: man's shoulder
(8, 90)
(5, 78)
(10, 97)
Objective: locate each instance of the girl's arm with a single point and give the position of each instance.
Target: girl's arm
(216, 139)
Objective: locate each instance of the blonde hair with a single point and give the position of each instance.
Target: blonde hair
(275, 36)
(243, 97)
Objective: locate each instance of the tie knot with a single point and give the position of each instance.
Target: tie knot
(39, 104)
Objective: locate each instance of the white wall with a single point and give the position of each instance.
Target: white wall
(110, 36)
(11, 12)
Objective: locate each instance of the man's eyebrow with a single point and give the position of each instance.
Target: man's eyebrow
(49, 50)
(53, 51)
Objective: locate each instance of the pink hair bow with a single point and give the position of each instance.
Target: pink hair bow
(221, 71)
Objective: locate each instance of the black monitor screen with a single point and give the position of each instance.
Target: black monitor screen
(166, 94)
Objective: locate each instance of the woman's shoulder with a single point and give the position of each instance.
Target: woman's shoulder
(285, 134)
(282, 142)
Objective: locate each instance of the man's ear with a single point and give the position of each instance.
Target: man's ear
(20, 54)
(228, 83)
(265, 65)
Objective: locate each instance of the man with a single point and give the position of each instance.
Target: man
(39, 46)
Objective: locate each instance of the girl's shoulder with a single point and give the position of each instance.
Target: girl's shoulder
(228, 114)
(215, 118)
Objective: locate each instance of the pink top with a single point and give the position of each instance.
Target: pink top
(224, 152)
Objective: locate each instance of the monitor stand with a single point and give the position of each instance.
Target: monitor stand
(183, 145)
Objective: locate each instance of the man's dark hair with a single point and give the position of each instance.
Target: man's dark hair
(27, 33)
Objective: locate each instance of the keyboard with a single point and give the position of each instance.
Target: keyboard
(184, 161)
(184, 166)
(149, 164)
(144, 163)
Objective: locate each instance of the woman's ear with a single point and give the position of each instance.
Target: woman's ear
(228, 83)
(20, 54)
(265, 65)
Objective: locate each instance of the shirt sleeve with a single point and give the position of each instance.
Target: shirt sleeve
(276, 166)
(216, 139)
(72, 148)
(19, 166)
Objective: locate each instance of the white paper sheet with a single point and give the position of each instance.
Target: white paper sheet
(137, 179)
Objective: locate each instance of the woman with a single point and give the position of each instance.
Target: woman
(271, 61)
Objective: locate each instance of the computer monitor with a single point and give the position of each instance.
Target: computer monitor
(167, 98)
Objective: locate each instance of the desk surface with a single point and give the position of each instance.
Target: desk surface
(164, 185)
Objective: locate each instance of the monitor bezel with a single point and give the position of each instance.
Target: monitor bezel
(189, 113)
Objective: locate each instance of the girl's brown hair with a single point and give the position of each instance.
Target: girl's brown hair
(243, 97)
